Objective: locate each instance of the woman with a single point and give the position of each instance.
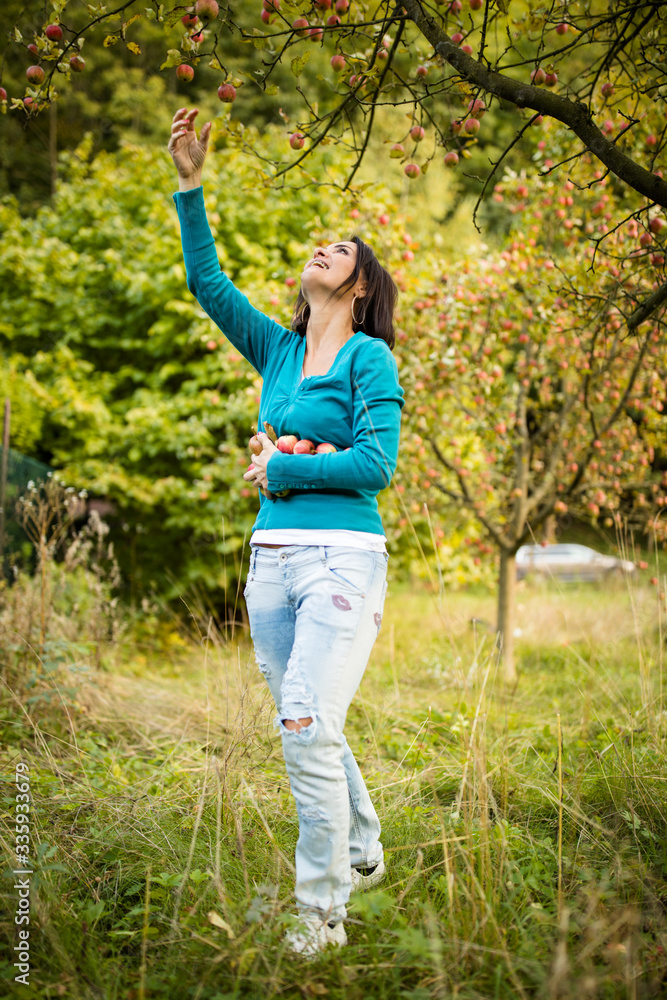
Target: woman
(318, 564)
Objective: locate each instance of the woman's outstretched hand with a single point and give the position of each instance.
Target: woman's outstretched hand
(188, 152)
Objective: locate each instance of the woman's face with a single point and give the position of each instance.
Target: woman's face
(328, 268)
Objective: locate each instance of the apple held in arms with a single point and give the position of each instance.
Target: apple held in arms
(288, 444)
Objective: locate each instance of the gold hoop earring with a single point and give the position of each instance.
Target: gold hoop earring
(357, 322)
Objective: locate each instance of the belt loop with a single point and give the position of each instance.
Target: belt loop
(323, 555)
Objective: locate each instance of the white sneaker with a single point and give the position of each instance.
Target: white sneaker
(360, 881)
(312, 934)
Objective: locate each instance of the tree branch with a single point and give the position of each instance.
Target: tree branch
(653, 302)
(524, 95)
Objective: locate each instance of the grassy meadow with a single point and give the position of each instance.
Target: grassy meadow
(164, 829)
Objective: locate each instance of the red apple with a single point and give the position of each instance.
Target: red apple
(28, 103)
(411, 170)
(227, 93)
(397, 151)
(551, 79)
(297, 140)
(467, 49)
(562, 28)
(457, 125)
(286, 443)
(35, 74)
(338, 63)
(657, 224)
(78, 64)
(421, 72)
(316, 34)
(267, 16)
(477, 108)
(304, 447)
(325, 448)
(184, 72)
(476, 4)
(383, 219)
(651, 141)
(290, 282)
(206, 10)
(3, 94)
(451, 159)
(342, 6)
(471, 126)
(271, 4)
(333, 21)
(255, 445)
(456, 6)
(607, 89)
(457, 38)
(322, 4)
(417, 133)
(300, 25)
(53, 32)
(33, 48)
(538, 76)
(189, 20)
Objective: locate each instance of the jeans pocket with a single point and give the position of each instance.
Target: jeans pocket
(351, 569)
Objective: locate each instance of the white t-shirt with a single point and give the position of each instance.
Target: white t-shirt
(321, 536)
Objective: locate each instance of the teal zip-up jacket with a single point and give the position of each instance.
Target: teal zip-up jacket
(356, 405)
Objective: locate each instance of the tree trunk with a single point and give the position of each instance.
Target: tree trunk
(506, 588)
(549, 529)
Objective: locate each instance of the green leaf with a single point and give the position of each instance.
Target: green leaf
(174, 58)
(298, 63)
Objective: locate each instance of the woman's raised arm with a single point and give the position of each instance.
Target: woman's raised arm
(251, 332)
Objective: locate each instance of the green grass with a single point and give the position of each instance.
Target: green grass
(165, 831)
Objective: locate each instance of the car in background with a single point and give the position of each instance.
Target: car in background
(569, 563)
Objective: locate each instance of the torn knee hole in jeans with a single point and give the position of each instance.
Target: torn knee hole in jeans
(296, 725)
(298, 722)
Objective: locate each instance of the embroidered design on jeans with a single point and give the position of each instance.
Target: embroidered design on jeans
(378, 618)
(341, 602)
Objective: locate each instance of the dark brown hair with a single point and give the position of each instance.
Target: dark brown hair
(374, 313)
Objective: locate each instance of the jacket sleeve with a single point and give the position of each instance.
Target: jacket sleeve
(370, 463)
(249, 330)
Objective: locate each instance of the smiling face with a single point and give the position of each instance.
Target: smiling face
(328, 268)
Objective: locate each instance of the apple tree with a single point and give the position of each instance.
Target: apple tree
(534, 392)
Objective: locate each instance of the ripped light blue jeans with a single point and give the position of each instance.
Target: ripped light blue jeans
(315, 613)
